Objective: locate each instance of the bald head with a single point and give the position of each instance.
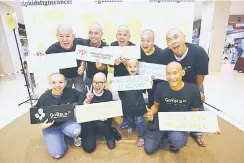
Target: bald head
(65, 36)
(56, 76)
(174, 74)
(147, 41)
(149, 33)
(98, 77)
(174, 31)
(95, 26)
(64, 27)
(95, 34)
(132, 66)
(123, 35)
(57, 83)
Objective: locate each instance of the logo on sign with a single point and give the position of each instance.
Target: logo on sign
(40, 114)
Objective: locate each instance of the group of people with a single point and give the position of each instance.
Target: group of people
(187, 65)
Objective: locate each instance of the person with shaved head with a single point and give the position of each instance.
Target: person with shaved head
(123, 39)
(151, 53)
(56, 135)
(95, 35)
(96, 94)
(67, 43)
(186, 97)
(194, 60)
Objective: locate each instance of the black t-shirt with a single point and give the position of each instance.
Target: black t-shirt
(56, 48)
(120, 70)
(91, 68)
(106, 97)
(158, 57)
(69, 96)
(195, 62)
(177, 101)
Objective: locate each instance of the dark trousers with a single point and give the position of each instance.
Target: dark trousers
(90, 130)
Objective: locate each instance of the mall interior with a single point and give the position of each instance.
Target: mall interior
(218, 27)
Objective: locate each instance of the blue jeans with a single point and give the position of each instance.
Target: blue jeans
(194, 134)
(77, 81)
(152, 139)
(54, 137)
(137, 122)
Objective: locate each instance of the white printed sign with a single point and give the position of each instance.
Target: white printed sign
(198, 121)
(127, 52)
(136, 82)
(51, 62)
(159, 71)
(98, 111)
(92, 54)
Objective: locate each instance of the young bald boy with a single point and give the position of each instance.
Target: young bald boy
(133, 105)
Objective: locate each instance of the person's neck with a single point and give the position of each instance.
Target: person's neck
(57, 94)
(68, 48)
(178, 87)
(98, 94)
(151, 51)
(96, 45)
(182, 52)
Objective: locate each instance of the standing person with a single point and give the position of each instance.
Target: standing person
(194, 60)
(67, 43)
(123, 37)
(151, 53)
(91, 129)
(54, 133)
(134, 106)
(95, 40)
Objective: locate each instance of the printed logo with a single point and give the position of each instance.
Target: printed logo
(40, 114)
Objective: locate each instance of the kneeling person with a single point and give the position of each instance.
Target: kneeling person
(54, 133)
(186, 97)
(91, 129)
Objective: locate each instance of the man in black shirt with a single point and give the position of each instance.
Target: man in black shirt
(91, 129)
(67, 43)
(194, 60)
(123, 37)
(95, 40)
(151, 53)
(186, 97)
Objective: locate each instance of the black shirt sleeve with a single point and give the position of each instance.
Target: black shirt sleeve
(51, 49)
(42, 100)
(81, 96)
(196, 98)
(157, 93)
(201, 61)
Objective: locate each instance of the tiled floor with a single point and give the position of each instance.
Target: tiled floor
(224, 91)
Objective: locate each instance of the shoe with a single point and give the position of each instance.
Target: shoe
(173, 149)
(124, 124)
(111, 144)
(77, 141)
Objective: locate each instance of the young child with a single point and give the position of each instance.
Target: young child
(134, 106)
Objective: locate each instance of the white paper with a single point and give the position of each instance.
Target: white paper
(92, 54)
(98, 111)
(42, 65)
(159, 71)
(128, 52)
(198, 121)
(136, 82)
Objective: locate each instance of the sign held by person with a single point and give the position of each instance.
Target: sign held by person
(137, 82)
(159, 71)
(98, 111)
(56, 113)
(128, 52)
(195, 121)
(92, 54)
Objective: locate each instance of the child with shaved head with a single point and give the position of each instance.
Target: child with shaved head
(133, 105)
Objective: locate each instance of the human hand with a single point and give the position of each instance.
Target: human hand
(80, 70)
(46, 125)
(202, 96)
(149, 115)
(40, 53)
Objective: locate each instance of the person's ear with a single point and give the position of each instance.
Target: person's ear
(183, 72)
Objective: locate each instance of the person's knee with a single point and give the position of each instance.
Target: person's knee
(77, 131)
(89, 149)
(149, 148)
(178, 140)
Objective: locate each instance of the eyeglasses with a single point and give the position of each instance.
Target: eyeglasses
(99, 83)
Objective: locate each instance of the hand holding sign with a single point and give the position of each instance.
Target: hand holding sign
(98, 64)
(80, 70)
(118, 61)
(46, 125)
(124, 61)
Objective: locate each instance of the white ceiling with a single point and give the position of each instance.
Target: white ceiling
(237, 8)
